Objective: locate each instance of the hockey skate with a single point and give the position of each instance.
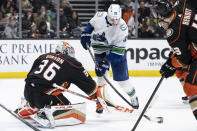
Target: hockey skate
(185, 99)
(99, 108)
(43, 118)
(25, 109)
(134, 102)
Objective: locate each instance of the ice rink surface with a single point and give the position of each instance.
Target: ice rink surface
(177, 115)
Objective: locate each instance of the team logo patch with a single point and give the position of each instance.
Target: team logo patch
(100, 14)
(169, 32)
(123, 27)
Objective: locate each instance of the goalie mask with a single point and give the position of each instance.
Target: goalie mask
(65, 48)
(114, 14)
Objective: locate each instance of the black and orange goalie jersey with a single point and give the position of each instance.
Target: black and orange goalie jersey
(60, 69)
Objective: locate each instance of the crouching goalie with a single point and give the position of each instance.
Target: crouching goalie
(45, 103)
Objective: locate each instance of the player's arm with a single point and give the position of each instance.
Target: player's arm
(82, 79)
(86, 33)
(181, 55)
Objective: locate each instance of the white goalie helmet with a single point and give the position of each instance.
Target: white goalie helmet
(64, 48)
(114, 14)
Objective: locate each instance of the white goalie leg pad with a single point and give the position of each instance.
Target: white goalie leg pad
(63, 115)
(107, 96)
(106, 93)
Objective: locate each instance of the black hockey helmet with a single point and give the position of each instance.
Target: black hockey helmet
(163, 7)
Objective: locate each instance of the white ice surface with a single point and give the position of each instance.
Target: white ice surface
(177, 116)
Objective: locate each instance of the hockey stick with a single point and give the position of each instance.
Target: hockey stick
(22, 120)
(118, 108)
(147, 104)
(106, 78)
(156, 119)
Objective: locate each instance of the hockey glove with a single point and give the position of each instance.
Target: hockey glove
(167, 69)
(85, 38)
(101, 68)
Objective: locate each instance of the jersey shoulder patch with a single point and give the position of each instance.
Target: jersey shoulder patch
(100, 14)
(169, 32)
(123, 27)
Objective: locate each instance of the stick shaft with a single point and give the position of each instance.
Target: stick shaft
(92, 56)
(147, 104)
(118, 108)
(22, 120)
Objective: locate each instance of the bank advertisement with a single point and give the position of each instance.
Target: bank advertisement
(19, 55)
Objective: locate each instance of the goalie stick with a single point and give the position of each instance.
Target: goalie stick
(118, 108)
(147, 104)
(21, 119)
(154, 119)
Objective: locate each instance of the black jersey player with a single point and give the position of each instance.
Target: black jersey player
(61, 68)
(181, 30)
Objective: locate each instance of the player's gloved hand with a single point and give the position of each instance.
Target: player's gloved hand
(101, 68)
(167, 69)
(85, 38)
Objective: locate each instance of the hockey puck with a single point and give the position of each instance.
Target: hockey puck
(160, 120)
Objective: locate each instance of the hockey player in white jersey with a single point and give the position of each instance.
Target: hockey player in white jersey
(107, 33)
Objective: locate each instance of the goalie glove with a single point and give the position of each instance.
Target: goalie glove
(167, 69)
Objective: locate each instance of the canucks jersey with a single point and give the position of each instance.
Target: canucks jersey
(106, 37)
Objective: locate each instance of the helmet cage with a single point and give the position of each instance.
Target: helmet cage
(65, 48)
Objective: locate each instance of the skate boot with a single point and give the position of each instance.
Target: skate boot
(99, 108)
(134, 102)
(185, 99)
(25, 109)
(42, 119)
(134, 99)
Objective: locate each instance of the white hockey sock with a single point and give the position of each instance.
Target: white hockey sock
(127, 87)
